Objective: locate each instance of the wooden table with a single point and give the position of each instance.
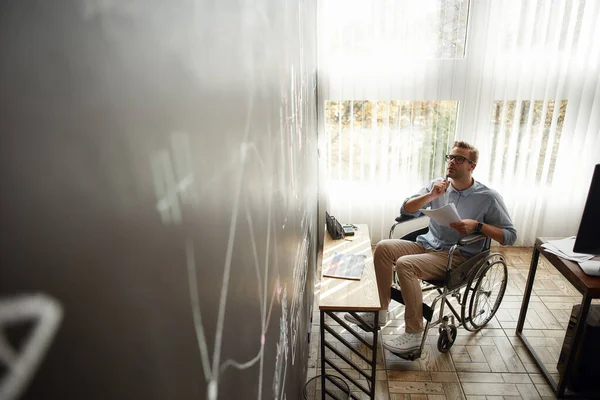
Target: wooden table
(343, 295)
(588, 286)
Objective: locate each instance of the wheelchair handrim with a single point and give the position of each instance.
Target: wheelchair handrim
(479, 292)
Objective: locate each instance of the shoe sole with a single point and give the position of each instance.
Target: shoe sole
(398, 352)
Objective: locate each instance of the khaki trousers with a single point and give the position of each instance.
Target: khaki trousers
(413, 263)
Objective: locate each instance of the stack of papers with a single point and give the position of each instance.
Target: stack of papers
(444, 215)
(564, 249)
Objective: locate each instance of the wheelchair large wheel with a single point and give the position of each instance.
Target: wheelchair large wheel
(469, 293)
(487, 291)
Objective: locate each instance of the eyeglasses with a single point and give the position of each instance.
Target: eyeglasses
(458, 159)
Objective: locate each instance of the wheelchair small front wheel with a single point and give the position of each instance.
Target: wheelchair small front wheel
(488, 293)
(445, 340)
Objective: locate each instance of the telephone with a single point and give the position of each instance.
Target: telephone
(348, 230)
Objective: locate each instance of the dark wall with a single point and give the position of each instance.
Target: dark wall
(159, 195)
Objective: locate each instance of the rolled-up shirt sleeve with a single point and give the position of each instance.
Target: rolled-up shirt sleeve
(498, 216)
(421, 192)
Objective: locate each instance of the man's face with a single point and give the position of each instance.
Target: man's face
(456, 170)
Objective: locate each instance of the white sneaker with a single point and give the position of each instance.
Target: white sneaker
(367, 317)
(404, 343)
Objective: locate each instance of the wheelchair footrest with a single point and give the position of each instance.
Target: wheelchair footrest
(410, 356)
(427, 311)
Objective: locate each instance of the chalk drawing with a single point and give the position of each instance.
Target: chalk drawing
(283, 162)
(22, 364)
(299, 277)
(196, 312)
(173, 177)
(174, 186)
(282, 350)
(271, 75)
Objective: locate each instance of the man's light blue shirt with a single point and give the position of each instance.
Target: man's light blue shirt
(477, 202)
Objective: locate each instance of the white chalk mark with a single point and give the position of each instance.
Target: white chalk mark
(237, 365)
(229, 255)
(256, 262)
(276, 293)
(173, 179)
(299, 277)
(195, 301)
(282, 349)
(165, 188)
(47, 313)
(184, 169)
(248, 364)
(262, 346)
(7, 353)
(252, 146)
(212, 389)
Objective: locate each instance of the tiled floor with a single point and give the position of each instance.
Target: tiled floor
(489, 364)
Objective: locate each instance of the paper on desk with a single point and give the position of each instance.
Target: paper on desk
(564, 249)
(444, 215)
(562, 255)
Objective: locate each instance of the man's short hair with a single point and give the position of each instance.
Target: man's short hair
(473, 152)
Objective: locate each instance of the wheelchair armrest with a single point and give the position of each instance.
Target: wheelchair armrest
(470, 239)
(403, 218)
(412, 236)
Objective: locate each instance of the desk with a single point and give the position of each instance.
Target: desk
(588, 286)
(343, 295)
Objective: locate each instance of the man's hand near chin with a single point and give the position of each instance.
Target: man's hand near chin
(438, 189)
(464, 226)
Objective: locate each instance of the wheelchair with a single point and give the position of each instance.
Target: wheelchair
(478, 285)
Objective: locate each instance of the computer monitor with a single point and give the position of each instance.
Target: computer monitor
(588, 236)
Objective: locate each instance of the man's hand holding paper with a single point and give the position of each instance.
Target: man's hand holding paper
(465, 226)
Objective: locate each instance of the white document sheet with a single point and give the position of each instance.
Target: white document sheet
(444, 215)
(564, 248)
(590, 267)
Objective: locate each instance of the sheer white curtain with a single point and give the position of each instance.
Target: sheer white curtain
(399, 81)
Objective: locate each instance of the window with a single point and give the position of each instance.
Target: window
(539, 34)
(404, 28)
(386, 140)
(529, 125)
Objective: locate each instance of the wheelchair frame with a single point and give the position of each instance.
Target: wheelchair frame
(467, 276)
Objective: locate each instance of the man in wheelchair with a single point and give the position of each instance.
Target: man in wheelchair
(482, 211)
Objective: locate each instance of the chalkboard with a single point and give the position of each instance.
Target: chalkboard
(158, 177)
